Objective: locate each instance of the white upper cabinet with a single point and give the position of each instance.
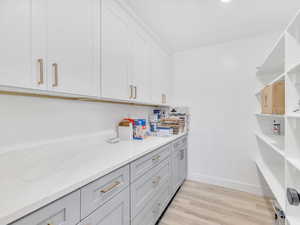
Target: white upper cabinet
(160, 75)
(82, 47)
(73, 46)
(15, 43)
(140, 70)
(116, 52)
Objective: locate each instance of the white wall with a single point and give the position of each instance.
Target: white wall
(25, 120)
(218, 84)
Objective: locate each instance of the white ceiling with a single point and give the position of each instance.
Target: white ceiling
(185, 24)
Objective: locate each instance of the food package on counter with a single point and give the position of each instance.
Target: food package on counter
(125, 129)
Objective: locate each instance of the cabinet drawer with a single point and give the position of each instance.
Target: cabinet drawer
(144, 164)
(179, 143)
(100, 191)
(150, 214)
(113, 212)
(65, 211)
(146, 187)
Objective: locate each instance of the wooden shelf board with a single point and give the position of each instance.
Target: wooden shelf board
(273, 142)
(273, 183)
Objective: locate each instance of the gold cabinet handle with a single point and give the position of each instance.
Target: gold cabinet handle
(157, 180)
(163, 98)
(156, 158)
(131, 92)
(41, 71)
(182, 154)
(55, 73)
(135, 92)
(109, 188)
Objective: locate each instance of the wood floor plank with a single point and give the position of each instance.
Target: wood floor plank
(205, 204)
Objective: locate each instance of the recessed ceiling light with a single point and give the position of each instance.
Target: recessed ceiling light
(226, 1)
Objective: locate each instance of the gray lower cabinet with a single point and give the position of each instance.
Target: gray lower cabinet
(65, 211)
(113, 212)
(179, 167)
(147, 186)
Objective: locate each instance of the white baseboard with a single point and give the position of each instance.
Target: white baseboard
(228, 184)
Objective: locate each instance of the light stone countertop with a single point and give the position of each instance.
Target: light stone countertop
(38, 175)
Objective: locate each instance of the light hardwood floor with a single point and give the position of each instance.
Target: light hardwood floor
(203, 204)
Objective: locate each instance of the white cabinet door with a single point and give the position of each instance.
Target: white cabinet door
(73, 46)
(166, 79)
(114, 212)
(160, 75)
(156, 74)
(140, 75)
(15, 43)
(115, 52)
(39, 44)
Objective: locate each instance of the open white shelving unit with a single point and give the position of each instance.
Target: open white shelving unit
(279, 155)
(276, 143)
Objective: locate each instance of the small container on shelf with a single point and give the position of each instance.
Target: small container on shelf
(276, 129)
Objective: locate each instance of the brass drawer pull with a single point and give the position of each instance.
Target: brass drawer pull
(156, 158)
(163, 98)
(112, 186)
(135, 92)
(131, 92)
(55, 73)
(182, 154)
(41, 72)
(157, 180)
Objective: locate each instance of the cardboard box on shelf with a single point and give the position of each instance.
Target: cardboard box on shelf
(273, 98)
